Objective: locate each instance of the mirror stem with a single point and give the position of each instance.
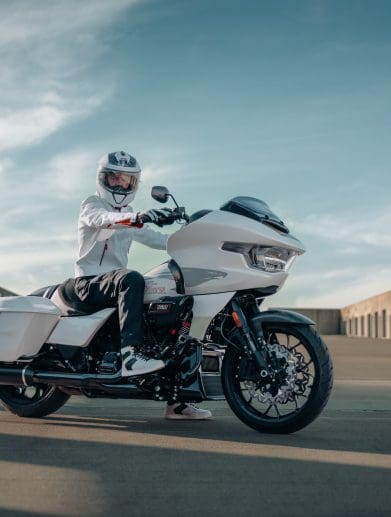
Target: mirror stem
(173, 198)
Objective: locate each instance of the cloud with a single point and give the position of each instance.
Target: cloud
(25, 127)
(23, 22)
(5, 165)
(347, 291)
(367, 229)
(47, 53)
(70, 173)
(334, 288)
(152, 173)
(31, 261)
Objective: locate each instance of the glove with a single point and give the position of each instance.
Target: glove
(159, 216)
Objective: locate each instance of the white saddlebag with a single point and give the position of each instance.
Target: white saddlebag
(25, 324)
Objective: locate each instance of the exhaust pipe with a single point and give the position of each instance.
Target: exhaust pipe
(112, 385)
(26, 376)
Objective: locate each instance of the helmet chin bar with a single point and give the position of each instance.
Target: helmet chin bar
(115, 199)
(119, 201)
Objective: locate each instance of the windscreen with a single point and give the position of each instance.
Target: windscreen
(254, 209)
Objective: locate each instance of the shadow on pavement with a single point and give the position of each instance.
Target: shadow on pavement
(138, 480)
(345, 431)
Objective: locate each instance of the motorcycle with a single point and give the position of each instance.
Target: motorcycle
(202, 317)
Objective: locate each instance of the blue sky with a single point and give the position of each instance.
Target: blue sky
(285, 101)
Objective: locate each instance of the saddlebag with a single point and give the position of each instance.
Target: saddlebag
(25, 324)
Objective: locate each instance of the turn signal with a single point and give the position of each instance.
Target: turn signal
(236, 319)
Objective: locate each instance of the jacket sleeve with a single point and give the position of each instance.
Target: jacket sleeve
(151, 238)
(94, 215)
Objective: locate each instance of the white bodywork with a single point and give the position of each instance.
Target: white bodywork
(78, 330)
(25, 324)
(205, 309)
(159, 282)
(209, 269)
(211, 274)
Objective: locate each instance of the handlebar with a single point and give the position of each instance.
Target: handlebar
(170, 216)
(179, 214)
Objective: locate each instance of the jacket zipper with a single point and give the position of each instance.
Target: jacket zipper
(103, 252)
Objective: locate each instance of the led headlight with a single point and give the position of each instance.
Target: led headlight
(270, 259)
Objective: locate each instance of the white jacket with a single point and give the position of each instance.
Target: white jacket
(105, 235)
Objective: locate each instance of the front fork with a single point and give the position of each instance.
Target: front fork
(252, 347)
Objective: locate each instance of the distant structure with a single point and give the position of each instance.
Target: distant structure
(6, 292)
(328, 321)
(368, 318)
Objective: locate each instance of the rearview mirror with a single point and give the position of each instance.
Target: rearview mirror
(160, 194)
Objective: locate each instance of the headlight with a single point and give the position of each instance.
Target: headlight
(270, 259)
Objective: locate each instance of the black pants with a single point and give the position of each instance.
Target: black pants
(121, 288)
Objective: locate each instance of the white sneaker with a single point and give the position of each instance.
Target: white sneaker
(180, 411)
(133, 364)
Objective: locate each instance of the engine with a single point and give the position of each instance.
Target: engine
(167, 321)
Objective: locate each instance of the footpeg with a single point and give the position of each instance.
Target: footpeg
(110, 363)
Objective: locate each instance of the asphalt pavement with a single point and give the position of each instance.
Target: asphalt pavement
(116, 457)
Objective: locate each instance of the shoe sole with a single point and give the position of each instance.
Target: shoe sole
(181, 417)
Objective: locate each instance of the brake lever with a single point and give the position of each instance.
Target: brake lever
(180, 213)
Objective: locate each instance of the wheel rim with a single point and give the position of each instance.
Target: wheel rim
(281, 398)
(24, 395)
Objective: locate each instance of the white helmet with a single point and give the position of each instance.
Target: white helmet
(117, 178)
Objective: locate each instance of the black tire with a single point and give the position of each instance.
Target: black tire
(34, 402)
(256, 414)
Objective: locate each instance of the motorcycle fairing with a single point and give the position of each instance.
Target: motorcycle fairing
(205, 309)
(198, 247)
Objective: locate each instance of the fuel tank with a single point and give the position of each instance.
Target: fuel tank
(159, 282)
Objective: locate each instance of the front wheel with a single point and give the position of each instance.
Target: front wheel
(33, 401)
(297, 391)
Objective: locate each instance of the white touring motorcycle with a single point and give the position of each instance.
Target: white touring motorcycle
(202, 318)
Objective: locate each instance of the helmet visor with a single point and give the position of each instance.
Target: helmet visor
(119, 182)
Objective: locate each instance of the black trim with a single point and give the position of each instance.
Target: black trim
(106, 385)
(260, 292)
(254, 209)
(277, 316)
(179, 409)
(197, 215)
(177, 275)
(193, 391)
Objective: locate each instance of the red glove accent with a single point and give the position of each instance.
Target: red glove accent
(130, 223)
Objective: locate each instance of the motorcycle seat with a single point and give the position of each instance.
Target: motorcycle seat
(69, 303)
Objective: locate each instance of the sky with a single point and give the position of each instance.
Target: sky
(288, 102)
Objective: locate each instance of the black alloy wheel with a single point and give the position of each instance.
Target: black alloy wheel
(32, 401)
(296, 393)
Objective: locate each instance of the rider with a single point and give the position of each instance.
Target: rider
(107, 225)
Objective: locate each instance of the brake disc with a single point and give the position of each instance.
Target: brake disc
(285, 391)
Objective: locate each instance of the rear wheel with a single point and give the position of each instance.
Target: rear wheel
(32, 401)
(296, 393)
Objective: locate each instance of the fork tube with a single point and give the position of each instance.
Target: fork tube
(245, 331)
